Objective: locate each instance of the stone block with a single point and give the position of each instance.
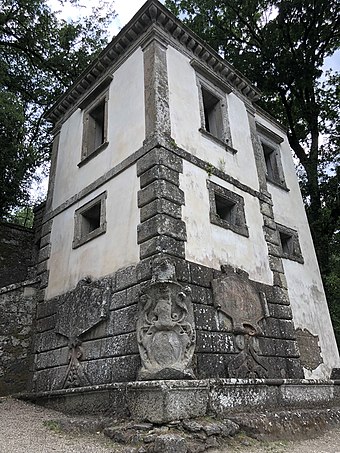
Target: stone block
(119, 345)
(279, 328)
(159, 172)
(278, 347)
(98, 371)
(161, 224)
(160, 189)
(226, 397)
(205, 317)
(159, 156)
(266, 209)
(215, 342)
(160, 206)
(275, 264)
(92, 349)
(44, 279)
(46, 228)
(49, 340)
(201, 275)
(279, 279)
(164, 401)
(44, 253)
(144, 269)
(280, 311)
(41, 267)
(211, 365)
(274, 250)
(201, 295)
(182, 269)
(45, 240)
(125, 368)
(126, 277)
(53, 358)
(278, 295)
(47, 323)
(271, 236)
(119, 300)
(162, 244)
(47, 308)
(122, 320)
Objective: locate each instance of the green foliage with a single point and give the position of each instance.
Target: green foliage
(22, 216)
(40, 56)
(281, 47)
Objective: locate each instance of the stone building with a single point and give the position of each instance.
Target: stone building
(175, 244)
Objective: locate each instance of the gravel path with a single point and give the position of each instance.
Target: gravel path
(26, 428)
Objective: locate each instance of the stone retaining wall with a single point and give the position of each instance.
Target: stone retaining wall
(17, 315)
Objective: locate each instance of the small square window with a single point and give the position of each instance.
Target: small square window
(95, 127)
(227, 209)
(289, 242)
(90, 221)
(286, 243)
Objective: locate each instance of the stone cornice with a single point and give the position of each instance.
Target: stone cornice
(151, 13)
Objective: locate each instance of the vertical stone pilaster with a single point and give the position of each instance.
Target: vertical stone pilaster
(160, 199)
(53, 170)
(156, 91)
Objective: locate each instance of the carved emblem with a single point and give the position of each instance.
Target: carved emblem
(240, 307)
(165, 326)
(79, 311)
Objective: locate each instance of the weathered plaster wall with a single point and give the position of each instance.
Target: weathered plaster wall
(211, 245)
(305, 287)
(16, 248)
(185, 124)
(126, 132)
(17, 314)
(105, 254)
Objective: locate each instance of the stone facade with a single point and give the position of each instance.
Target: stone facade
(186, 252)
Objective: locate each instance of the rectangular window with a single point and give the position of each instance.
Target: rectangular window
(212, 93)
(89, 221)
(212, 114)
(227, 209)
(289, 243)
(95, 127)
(270, 143)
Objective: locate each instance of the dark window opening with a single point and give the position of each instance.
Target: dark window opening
(271, 162)
(286, 243)
(90, 219)
(225, 209)
(96, 134)
(212, 114)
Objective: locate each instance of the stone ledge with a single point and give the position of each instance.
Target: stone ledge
(163, 401)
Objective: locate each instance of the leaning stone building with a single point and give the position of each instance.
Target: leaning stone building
(175, 244)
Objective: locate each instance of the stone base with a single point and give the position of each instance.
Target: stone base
(164, 401)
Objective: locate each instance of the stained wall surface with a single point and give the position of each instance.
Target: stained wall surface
(104, 254)
(126, 133)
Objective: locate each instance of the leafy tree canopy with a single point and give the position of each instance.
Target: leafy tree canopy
(281, 46)
(40, 56)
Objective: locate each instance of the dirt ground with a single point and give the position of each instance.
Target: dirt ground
(26, 428)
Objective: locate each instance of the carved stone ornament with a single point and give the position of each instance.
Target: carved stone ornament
(79, 311)
(165, 326)
(240, 308)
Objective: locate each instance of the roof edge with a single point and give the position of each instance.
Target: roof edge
(152, 12)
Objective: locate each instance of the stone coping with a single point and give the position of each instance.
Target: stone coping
(203, 384)
(14, 286)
